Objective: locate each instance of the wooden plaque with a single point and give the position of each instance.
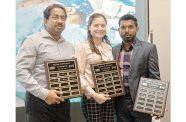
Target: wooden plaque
(151, 96)
(107, 78)
(63, 75)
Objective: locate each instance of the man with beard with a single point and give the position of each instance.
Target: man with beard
(136, 59)
(42, 104)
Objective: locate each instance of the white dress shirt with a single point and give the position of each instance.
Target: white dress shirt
(36, 49)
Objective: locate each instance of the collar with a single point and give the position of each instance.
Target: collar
(131, 46)
(45, 34)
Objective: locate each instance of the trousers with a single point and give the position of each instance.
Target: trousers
(38, 110)
(124, 109)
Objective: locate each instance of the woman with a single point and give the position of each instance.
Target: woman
(96, 107)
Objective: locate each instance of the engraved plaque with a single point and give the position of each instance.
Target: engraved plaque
(107, 78)
(63, 76)
(151, 96)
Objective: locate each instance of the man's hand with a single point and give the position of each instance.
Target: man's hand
(159, 117)
(156, 117)
(100, 98)
(53, 97)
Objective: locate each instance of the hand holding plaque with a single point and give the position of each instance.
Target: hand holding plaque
(54, 97)
(107, 78)
(100, 98)
(63, 76)
(151, 96)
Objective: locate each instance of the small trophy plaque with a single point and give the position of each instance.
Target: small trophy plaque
(63, 76)
(151, 96)
(107, 78)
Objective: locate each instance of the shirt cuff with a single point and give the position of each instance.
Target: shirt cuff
(43, 93)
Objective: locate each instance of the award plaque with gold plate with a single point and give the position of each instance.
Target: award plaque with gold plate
(63, 76)
(151, 96)
(107, 78)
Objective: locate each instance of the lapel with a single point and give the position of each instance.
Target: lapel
(134, 55)
(118, 51)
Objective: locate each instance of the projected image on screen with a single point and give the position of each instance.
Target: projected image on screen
(29, 19)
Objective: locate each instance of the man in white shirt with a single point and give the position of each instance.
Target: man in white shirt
(42, 104)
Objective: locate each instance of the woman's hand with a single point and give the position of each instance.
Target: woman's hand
(100, 98)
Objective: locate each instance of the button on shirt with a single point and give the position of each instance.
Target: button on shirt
(85, 57)
(36, 49)
(124, 63)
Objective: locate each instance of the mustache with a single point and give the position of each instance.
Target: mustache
(59, 24)
(128, 38)
(127, 35)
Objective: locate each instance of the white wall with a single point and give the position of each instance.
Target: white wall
(159, 18)
(142, 17)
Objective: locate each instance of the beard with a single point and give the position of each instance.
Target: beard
(128, 38)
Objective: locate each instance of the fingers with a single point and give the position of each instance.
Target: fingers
(58, 92)
(60, 99)
(156, 117)
(99, 98)
(107, 97)
(57, 102)
(166, 109)
(56, 97)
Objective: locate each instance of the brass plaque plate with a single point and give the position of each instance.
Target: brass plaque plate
(107, 78)
(63, 76)
(151, 96)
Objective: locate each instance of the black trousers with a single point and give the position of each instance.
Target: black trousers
(38, 110)
(124, 110)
